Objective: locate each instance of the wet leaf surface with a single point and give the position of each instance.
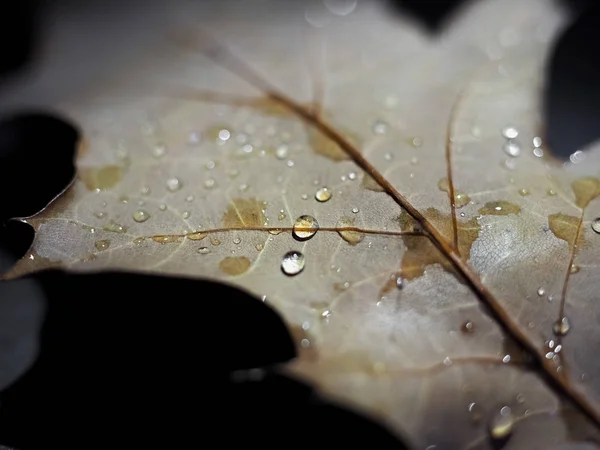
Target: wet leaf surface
(388, 193)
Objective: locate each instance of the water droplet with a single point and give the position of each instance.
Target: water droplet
(506, 359)
(574, 268)
(352, 176)
(596, 225)
(197, 236)
(100, 215)
(380, 127)
(510, 132)
(259, 247)
(355, 210)
(203, 250)
(237, 240)
(115, 227)
(210, 183)
(210, 165)
(145, 190)
(475, 412)
(215, 242)
(102, 244)
(502, 424)
(224, 135)
(537, 142)
(162, 207)
(292, 263)
(562, 327)
(282, 151)
(399, 283)
(159, 150)
(512, 148)
(541, 292)
(416, 142)
(323, 194)
(577, 157)
(468, 327)
(414, 160)
(388, 156)
(275, 231)
(304, 196)
(290, 163)
(167, 239)
(305, 227)
(539, 152)
(174, 184)
(340, 7)
(353, 237)
(194, 138)
(447, 361)
(551, 192)
(141, 216)
(523, 192)
(185, 215)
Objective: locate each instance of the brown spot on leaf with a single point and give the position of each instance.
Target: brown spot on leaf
(368, 182)
(585, 189)
(420, 252)
(104, 177)
(235, 265)
(499, 208)
(564, 227)
(244, 213)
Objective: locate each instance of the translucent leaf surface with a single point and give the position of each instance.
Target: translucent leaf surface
(452, 321)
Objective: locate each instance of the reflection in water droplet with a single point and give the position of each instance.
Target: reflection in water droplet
(502, 424)
(203, 250)
(596, 225)
(562, 327)
(323, 194)
(510, 132)
(292, 263)
(141, 216)
(512, 148)
(102, 244)
(305, 227)
(174, 184)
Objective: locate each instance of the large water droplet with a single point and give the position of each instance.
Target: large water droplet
(323, 194)
(305, 227)
(102, 244)
(141, 216)
(292, 263)
(562, 326)
(596, 225)
(502, 424)
(353, 237)
(174, 184)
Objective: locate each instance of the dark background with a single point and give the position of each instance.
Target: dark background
(130, 360)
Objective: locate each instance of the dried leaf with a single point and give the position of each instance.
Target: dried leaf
(434, 214)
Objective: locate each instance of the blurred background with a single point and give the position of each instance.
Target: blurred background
(81, 366)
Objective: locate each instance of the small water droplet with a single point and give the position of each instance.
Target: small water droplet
(541, 292)
(447, 361)
(145, 190)
(388, 156)
(574, 268)
(506, 359)
(380, 127)
(102, 244)
(115, 227)
(292, 263)
(305, 227)
(304, 196)
(210, 183)
(162, 207)
(275, 231)
(512, 148)
(259, 247)
(468, 327)
(523, 192)
(399, 283)
(282, 151)
(551, 192)
(159, 150)
(185, 214)
(510, 132)
(539, 152)
(237, 240)
(203, 250)
(194, 138)
(100, 215)
(562, 327)
(174, 184)
(502, 424)
(352, 176)
(537, 142)
(141, 216)
(290, 163)
(215, 242)
(355, 210)
(414, 160)
(416, 142)
(224, 135)
(596, 225)
(210, 165)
